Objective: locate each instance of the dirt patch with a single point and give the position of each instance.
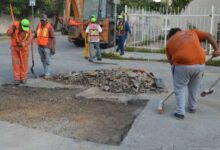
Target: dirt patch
(58, 111)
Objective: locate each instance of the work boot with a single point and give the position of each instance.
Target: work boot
(17, 82)
(178, 116)
(23, 81)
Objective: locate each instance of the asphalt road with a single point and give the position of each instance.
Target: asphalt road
(150, 131)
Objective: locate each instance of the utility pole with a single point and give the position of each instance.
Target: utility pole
(32, 3)
(116, 2)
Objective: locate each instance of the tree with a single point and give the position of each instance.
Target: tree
(176, 4)
(180, 3)
(133, 3)
(22, 9)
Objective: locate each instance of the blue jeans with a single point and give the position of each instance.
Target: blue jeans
(187, 78)
(98, 50)
(121, 41)
(45, 57)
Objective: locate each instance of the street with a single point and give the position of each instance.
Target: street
(150, 131)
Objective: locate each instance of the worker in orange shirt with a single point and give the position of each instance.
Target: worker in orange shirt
(187, 59)
(21, 36)
(46, 44)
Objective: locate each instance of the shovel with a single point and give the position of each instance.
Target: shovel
(32, 57)
(158, 82)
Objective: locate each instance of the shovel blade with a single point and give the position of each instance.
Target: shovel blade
(159, 83)
(33, 73)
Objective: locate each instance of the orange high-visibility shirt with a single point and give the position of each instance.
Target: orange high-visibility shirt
(184, 48)
(43, 34)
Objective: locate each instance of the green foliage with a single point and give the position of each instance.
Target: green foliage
(117, 57)
(180, 3)
(22, 9)
(176, 6)
(112, 56)
(213, 63)
(142, 50)
(140, 4)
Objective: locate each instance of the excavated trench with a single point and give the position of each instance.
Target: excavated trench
(58, 111)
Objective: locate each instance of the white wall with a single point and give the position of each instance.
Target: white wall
(5, 21)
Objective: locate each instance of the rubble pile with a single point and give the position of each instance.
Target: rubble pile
(119, 80)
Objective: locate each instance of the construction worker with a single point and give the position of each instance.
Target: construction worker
(86, 41)
(46, 44)
(21, 36)
(187, 59)
(93, 30)
(122, 30)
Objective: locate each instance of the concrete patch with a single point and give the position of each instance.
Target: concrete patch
(96, 93)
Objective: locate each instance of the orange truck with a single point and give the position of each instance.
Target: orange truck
(77, 14)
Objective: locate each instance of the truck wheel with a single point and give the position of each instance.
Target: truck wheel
(79, 43)
(64, 31)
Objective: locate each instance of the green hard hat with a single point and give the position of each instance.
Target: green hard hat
(93, 20)
(25, 24)
(120, 17)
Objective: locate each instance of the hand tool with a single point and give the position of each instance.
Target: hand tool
(32, 57)
(160, 108)
(210, 90)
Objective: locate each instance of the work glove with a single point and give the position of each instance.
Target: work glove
(19, 44)
(14, 28)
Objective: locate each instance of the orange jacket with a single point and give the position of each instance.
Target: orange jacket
(43, 34)
(184, 48)
(17, 37)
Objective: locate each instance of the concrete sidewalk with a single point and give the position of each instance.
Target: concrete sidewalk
(147, 56)
(150, 130)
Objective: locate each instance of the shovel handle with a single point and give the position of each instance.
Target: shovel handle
(32, 50)
(12, 14)
(212, 86)
(168, 97)
(160, 108)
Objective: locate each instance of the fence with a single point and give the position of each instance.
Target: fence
(150, 28)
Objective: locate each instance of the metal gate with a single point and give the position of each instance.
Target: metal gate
(150, 28)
